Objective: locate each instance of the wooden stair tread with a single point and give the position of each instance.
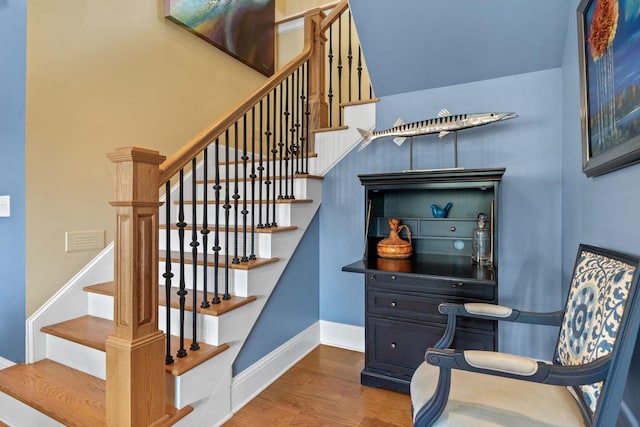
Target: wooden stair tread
(264, 230)
(272, 178)
(67, 395)
(93, 332)
(242, 201)
(264, 158)
(213, 310)
(188, 259)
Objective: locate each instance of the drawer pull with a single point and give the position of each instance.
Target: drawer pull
(457, 285)
(393, 345)
(393, 277)
(452, 229)
(372, 276)
(393, 304)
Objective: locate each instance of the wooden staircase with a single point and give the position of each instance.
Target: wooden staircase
(66, 385)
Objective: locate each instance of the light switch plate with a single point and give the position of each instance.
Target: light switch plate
(5, 206)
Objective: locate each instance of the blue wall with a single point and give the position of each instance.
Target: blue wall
(602, 210)
(530, 149)
(291, 308)
(12, 177)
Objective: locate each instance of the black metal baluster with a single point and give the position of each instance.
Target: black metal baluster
(182, 291)
(226, 207)
(268, 133)
(303, 118)
(253, 176)
(194, 255)
(359, 73)
(168, 275)
(261, 167)
(274, 151)
(330, 92)
(244, 211)
(287, 130)
(295, 147)
(307, 114)
(205, 230)
(283, 134)
(350, 55)
(216, 236)
(339, 69)
(236, 196)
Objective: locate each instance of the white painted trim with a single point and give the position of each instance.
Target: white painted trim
(253, 380)
(341, 335)
(5, 363)
(291, 26)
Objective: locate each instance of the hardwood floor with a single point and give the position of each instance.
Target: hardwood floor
(323, 389)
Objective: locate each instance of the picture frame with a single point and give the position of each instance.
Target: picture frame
(244, 29)
(609, 66)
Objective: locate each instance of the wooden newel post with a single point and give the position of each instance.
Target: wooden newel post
(135, 353)
(318, 107)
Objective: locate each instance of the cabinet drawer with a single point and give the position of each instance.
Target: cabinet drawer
(398, 347)
(447, 228)
(455, 288)
(419, 308)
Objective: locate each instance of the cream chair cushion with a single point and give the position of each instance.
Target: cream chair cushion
(478, 400)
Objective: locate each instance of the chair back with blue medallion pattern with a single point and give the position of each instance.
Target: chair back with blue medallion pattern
(599, 297)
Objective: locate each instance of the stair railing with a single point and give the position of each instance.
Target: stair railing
(249, 158)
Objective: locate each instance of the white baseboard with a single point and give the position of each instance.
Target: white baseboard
(5, 363)
(253, 380)
(341, 335)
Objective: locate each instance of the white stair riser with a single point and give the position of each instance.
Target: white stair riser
(297, 188)
(77, 356)
(15, 413)
(262, 245)
(274, 169)
(283, 214)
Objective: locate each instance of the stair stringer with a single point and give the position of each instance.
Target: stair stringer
(332, 145)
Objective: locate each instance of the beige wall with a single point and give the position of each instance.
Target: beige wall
(103, 74)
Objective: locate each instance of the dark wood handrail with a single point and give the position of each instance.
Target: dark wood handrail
(184, 155)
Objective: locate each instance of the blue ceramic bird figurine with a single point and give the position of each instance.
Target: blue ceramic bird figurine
(440, 212)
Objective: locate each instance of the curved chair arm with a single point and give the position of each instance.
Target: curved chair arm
(519, 367)
(490, 312)
(500, 312)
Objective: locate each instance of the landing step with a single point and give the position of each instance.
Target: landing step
(67, 395)
(247, 265)
(263, 230)
(93, 332)
(213, 310)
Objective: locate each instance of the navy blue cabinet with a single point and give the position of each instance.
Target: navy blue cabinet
(402, 295)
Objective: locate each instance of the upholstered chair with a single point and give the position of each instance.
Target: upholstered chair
(581, 386)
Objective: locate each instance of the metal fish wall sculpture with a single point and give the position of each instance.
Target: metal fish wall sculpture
(443, 124)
